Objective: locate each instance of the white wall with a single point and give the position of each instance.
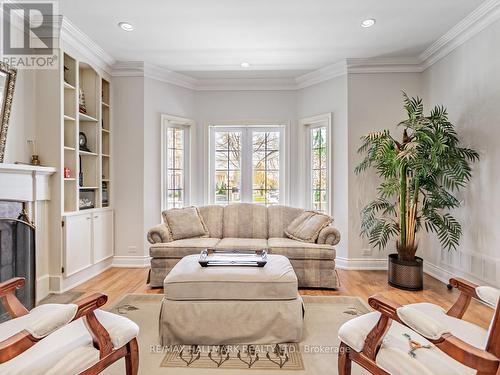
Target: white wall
(328, 97)
(160, 98)
(128, 155)
(375, 103)
(22, 124)
(467, 83)
(137, 108)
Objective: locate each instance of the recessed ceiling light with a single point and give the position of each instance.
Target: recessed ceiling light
(368, 23)
(125, 26)
(245, 64)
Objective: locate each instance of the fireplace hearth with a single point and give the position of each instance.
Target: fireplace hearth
(17, 251)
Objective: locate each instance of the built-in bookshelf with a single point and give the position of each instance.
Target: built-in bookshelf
(86, 137)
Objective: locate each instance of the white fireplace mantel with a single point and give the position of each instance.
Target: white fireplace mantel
(30, 184)
(25, 183)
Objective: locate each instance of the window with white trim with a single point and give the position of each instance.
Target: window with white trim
(318, 162)
(175, 161)
(319, 169)
(247, 164)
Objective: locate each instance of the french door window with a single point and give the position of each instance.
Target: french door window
(247, 165)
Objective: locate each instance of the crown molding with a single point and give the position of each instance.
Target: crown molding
(320, 75)
(76, 38)
(162, 74)
(128, 69)
(384, 65)
(247, 84)
(141, 69)
(475, 22)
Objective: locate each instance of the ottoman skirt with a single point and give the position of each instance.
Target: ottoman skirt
(231, 322)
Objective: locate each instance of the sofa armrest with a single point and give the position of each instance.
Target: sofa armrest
(329, 236)
(159, 234)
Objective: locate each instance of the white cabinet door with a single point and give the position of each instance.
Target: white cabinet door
(77, 243)
(103, 235)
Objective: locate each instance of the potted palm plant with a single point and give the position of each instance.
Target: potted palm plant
(420, 175)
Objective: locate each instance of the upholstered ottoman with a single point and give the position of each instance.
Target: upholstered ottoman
(231, 305)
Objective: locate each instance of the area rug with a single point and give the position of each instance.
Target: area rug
(315, 355)
(66, 297)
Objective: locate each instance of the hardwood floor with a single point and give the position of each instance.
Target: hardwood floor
(116, 282)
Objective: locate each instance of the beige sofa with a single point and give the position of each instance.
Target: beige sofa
(250, 227)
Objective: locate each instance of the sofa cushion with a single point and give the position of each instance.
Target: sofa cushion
(245, 220)
(294, 249)
(185, 223)
(241, 244)
(279, 217)
(306, 226)
(180, 248)
(188, 281)
(212, 216)
(393, 355)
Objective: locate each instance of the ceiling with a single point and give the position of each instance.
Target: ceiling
(279, 38)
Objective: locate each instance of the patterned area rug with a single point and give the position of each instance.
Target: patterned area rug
(316, 354)
(66, 297)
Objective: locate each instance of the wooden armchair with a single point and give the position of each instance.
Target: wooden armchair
(52, 337)
(422, 338)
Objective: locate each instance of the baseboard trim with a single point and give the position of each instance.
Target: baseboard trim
(126, 261)
(42, 287)
(360, 263)
(437, 272)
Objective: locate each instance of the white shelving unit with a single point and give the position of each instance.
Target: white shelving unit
(83, 245)
(89, 169)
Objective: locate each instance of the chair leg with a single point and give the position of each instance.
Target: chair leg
(132, 358)
(344, 360)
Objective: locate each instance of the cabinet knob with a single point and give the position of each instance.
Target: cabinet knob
(88, 218)
(96, 216)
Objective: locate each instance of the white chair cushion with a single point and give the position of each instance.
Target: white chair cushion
(70, 348)
(465, 331)
(488, 295)
(41, 321)
(393, 356)
(421, 322)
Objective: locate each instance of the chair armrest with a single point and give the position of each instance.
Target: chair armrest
(159, 234)
(329, 236)
(100, 336)
(90, 303)
(8, 298)
(459, 350)
(467, 292)
(388, 309)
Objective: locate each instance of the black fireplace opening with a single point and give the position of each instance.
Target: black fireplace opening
(17, 251)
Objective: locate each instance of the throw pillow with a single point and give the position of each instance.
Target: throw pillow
(307, 225)
(185, 223)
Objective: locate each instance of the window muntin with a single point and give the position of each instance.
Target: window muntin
(175, 167)
(319, 168)
(246, 164)
(228, 149)
(265, 167)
